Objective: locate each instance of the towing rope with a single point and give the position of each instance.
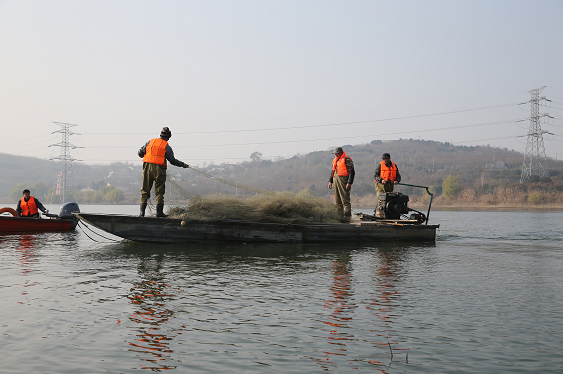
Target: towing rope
(83, 224)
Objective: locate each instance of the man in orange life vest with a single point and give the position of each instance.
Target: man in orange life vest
(342, 176)
(155, 152)
(386, 174)
(386, 177)
(29, 206)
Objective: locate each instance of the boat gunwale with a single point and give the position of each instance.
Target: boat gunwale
(254, 223)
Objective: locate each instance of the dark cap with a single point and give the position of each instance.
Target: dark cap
(165, 133)
(337, 150)
(385, 155)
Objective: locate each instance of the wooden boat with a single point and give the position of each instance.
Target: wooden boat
(62, 222)
(168, 230)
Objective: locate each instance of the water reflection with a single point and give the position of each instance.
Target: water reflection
(387, 265)
(26, 251)
(342, 309)
(151, 295)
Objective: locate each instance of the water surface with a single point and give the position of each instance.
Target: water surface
(485, 298)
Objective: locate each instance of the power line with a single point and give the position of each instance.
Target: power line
(336, 138)
(322, 125)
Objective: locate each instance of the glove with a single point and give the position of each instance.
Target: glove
(186, 166)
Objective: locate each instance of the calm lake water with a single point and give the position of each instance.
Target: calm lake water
(485, 298)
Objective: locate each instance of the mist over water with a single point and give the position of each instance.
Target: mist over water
(486, 297)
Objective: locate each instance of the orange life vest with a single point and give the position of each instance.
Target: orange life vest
(29, 207)
(155, 152)
(339, 164)
(388, 173)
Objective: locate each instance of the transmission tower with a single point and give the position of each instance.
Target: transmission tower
(64, 186)
(535, 161)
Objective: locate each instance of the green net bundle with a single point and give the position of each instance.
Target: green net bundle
(274, 208)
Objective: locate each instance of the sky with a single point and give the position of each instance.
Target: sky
(282, 78)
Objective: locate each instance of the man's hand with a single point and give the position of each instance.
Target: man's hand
(186, 166)
(330, 185)
(348, 186)
(396, 182)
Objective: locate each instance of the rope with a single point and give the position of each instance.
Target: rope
(230, 183)
(82, 223)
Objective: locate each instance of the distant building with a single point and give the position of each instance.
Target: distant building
(495, 165)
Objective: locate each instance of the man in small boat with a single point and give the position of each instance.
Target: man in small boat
(154, 153)
(29, 206)
(386, 176)
(342, 177)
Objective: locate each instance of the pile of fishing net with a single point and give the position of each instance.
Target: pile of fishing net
(281, 207)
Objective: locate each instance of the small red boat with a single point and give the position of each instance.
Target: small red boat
(65, 221)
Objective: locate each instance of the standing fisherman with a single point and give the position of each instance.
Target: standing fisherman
(155, 152)
(386, 176)
(343, 176)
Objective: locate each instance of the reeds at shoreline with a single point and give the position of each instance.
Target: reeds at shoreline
(501, 197)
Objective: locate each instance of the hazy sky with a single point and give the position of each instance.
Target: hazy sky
(278, 77)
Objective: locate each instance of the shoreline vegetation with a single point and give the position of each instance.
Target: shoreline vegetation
(510, 197)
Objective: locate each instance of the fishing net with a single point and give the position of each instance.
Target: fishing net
(266, 206)
(281, 207)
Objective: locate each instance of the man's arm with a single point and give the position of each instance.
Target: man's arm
(351, 170)
(170, 157)
(143, 150)
(19, 208)
(377, 173)
(40, 206)
(398, 178)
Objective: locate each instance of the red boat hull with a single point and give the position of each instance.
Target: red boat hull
(19, 224)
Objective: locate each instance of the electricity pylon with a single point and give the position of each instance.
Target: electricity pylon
(535, 160)
(64, 186)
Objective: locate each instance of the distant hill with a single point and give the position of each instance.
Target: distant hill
(30, 170)
(420, 162)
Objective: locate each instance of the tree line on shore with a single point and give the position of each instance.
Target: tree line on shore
(455, 174)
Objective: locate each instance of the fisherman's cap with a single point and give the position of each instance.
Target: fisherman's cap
(337, 150)
(385, 155)
(165, 133)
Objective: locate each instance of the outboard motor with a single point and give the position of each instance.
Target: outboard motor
(394, 204)
(65, 212)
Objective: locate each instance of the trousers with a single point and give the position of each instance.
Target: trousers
(153, 173)
(342, 196)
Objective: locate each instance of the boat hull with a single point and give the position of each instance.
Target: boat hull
(22, 224)
(167, 230)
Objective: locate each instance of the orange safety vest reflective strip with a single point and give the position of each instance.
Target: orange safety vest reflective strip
(155, 152)
(340, 166)
(29, 207)
(388, 173)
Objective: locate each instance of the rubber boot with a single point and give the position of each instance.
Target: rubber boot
(159, 210)
(143, 208)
